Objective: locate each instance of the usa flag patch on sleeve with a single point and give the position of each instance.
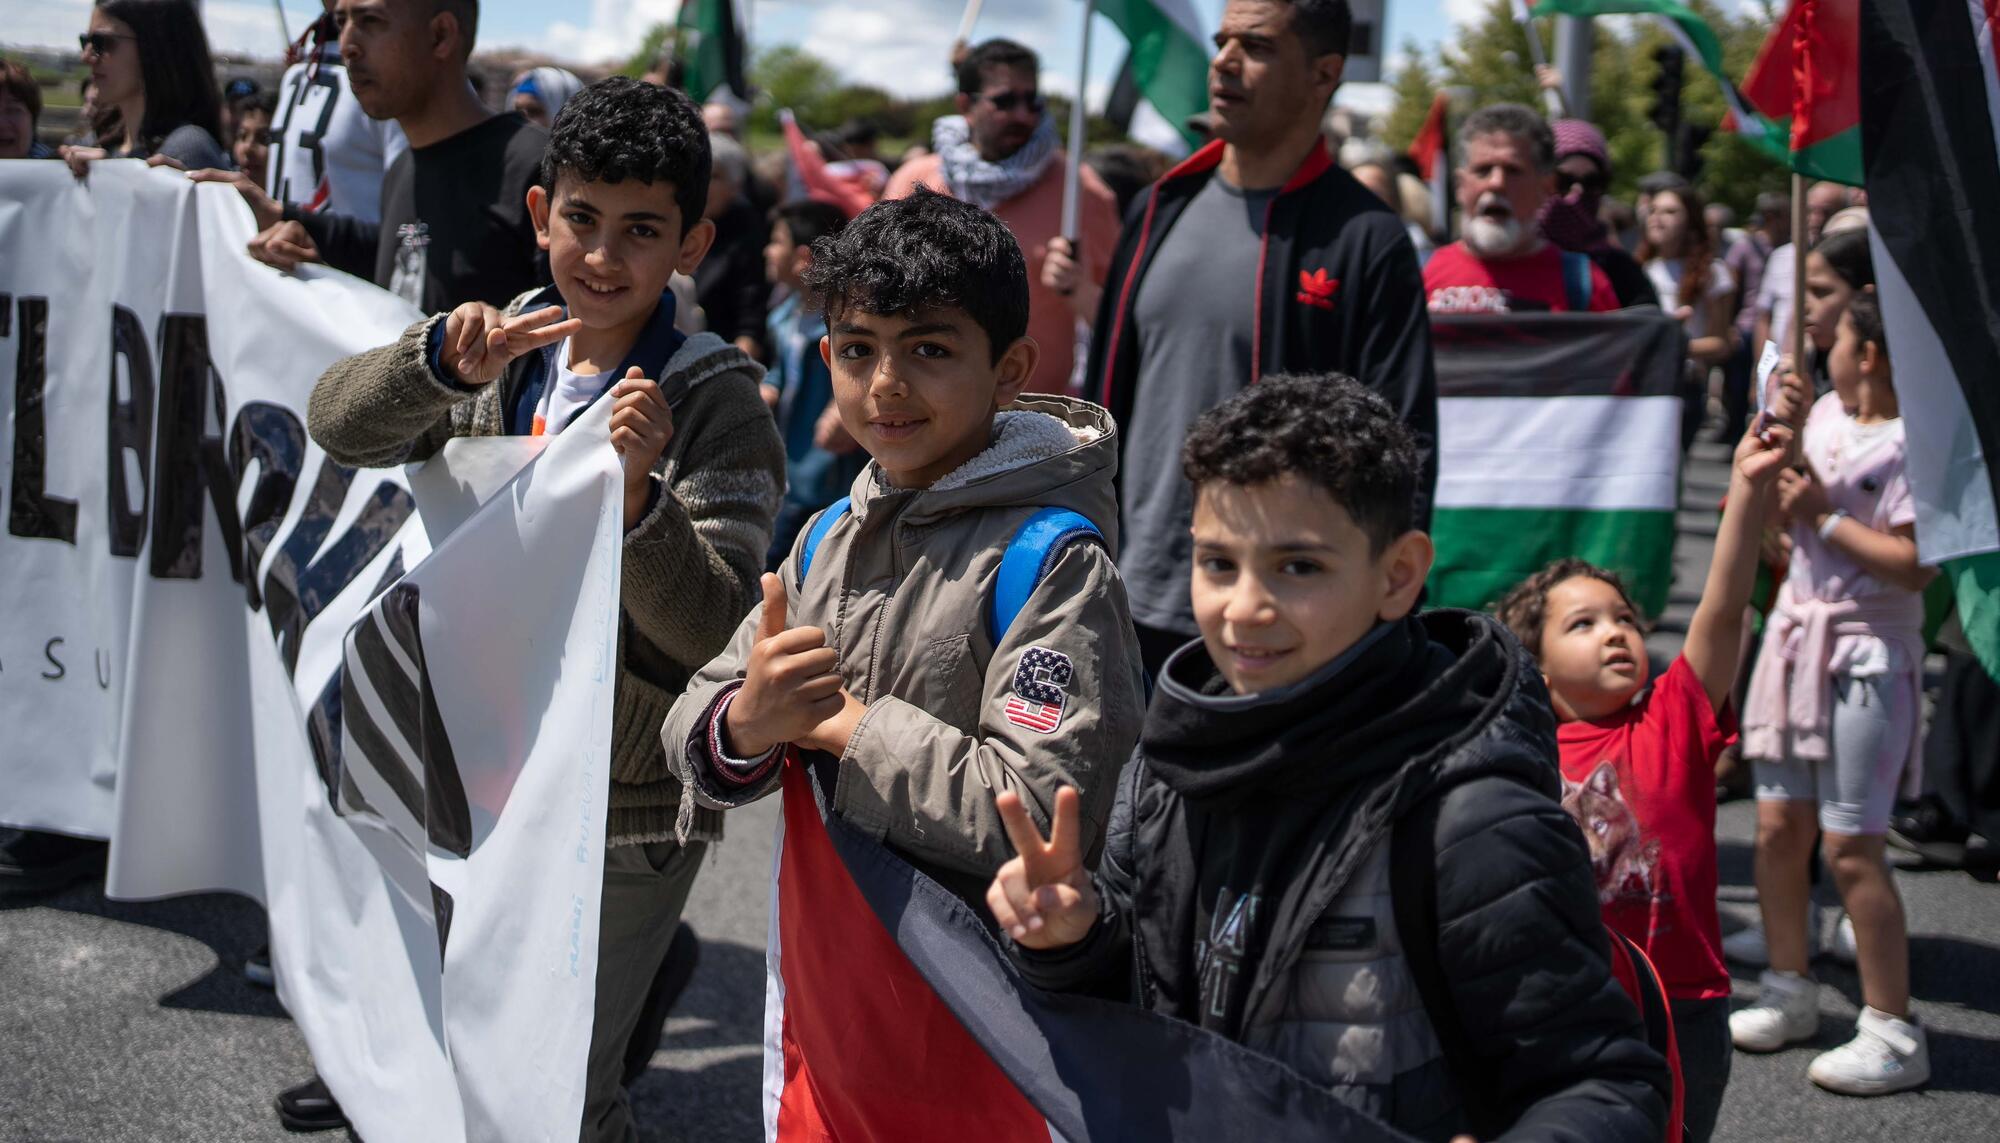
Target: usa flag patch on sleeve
(1041, 685)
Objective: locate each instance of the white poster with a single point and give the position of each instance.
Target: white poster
(310, 690)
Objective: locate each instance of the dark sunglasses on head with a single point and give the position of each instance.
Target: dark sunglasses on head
(100, 42)
(1595, 184)
(1009, 100)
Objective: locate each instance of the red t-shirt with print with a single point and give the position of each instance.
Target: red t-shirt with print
(1457, 281)
(1641, 783)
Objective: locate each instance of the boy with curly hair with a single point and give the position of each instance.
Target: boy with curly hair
(619, 210)
(1338, 842)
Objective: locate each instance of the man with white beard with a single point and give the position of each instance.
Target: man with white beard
(1502, 264)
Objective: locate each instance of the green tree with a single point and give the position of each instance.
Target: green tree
(1415, 85)
(788, 76)
(1491, 59)
(659, 38)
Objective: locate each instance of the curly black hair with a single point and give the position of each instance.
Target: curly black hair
(1325, 428)
(1524, 609)
(927, 251)
(620, 128)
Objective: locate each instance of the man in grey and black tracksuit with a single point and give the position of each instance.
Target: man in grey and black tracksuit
(1256, 256)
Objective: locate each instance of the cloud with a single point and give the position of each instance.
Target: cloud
(615, 30)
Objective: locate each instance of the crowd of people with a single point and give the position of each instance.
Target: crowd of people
(874, 375)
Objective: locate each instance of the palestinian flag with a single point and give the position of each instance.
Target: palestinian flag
(1168, 64)
(1698, 40)
(898, 1016)
(1805, 81)
(1558, 435)
(1928, 114)
(711, 49)
(1431, 151)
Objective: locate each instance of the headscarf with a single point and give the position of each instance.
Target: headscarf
(1570, 220)
(552, 85)
(988, 184)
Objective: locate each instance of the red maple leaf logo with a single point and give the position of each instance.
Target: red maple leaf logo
(1316, 289)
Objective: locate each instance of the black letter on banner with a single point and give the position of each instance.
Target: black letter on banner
(296, 591)
(31, 513)
(130, 426)
(49, 653)
(188, 458)
(272, 437)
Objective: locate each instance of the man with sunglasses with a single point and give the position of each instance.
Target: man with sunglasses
(1001, 152)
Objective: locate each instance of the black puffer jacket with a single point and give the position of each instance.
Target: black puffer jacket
(1243, 888)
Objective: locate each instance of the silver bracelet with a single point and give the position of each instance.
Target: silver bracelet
(1832, 521)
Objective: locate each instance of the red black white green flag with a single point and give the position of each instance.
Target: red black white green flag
(1928, 111)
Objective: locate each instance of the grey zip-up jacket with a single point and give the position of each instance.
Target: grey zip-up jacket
(902, 585)
(690, 564)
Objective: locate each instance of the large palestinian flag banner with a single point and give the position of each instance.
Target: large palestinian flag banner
(1929, 108)
(1558, 435)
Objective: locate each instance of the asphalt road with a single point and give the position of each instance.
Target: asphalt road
(123, 1021)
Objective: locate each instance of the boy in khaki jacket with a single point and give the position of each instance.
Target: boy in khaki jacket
(619, 211)
(873, 660)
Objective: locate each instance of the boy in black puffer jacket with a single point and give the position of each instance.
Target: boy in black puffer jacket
(1315, 729)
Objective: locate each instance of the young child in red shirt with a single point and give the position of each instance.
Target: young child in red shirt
(1638, 764)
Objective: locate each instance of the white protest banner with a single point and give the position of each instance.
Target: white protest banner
(303, 701)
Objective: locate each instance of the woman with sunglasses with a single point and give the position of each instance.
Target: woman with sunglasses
(150, 61)
(1570, 216)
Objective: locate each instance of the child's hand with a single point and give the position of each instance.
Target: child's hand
(1043, 896)
(1760, 457)
(1801, 496)
(790, 685)
(641, 424)
(1791, 396)
(479, 340)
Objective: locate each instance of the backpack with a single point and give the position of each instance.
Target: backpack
(1029, 556)
(1576, 281)
(1413, 898)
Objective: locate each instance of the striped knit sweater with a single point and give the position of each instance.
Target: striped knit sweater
(691, 564)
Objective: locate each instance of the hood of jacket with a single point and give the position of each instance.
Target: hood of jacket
(1264, 806)
(1047, 451)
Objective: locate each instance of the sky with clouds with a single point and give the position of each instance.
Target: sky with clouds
(899, 45)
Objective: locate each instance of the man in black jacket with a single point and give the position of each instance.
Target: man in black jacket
(1339, 842)
(1255, 256)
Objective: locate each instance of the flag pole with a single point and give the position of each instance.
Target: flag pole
(1073, 166)
(968, 19)
(1798, 330)
(1551, 99)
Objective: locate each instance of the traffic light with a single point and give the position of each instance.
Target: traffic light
(1687, 150)
(1670, 61)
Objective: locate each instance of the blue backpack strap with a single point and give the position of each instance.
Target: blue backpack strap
(821, 525)
(1028, 558)
(1576, 281)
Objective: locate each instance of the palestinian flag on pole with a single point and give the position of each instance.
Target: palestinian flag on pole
(1168, 63)
(1805, 81)
(1431, 151)
(1928, 110)
(1558, 435)
(711, 49)
(1698, 40)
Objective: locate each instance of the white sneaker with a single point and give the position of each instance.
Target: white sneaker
(1746, 946)
(1786, 1011)
(1843, 941)
(1885, 1055)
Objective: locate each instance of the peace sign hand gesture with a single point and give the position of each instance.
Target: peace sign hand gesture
(479, 340)
(1043, 896)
